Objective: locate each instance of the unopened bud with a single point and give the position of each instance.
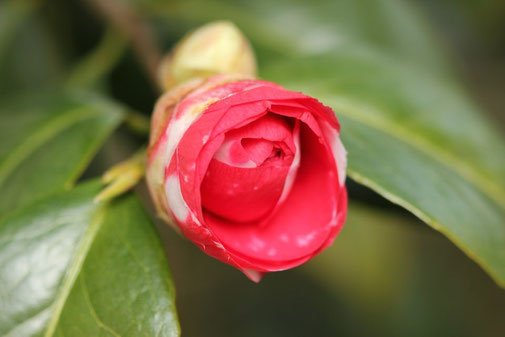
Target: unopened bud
(216, 48)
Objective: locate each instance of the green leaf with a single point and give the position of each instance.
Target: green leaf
(73, 267)
(47, 141)
(416, 140)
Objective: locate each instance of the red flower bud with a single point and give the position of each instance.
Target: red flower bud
(250, 172)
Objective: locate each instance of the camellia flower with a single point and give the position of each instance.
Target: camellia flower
(250, 172)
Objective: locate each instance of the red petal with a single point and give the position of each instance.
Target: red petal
(245, 179)
(302, 223)
(313, 212)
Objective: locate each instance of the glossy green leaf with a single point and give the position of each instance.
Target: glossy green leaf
(47, 140)
(416, 140)
(73, 267)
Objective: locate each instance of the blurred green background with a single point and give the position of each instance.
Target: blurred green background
(387, 273)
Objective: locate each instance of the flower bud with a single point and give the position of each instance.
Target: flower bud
(216, 48)
(252, 173)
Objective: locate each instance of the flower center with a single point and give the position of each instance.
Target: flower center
(246, 176)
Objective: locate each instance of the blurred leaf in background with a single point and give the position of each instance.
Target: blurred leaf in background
(413, 135)
(29, 56)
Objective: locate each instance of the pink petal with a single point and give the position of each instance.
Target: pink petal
(313, 211)
(243, 193)
(302, 223)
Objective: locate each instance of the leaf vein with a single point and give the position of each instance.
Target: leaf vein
(92, 310)
(74, 271)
